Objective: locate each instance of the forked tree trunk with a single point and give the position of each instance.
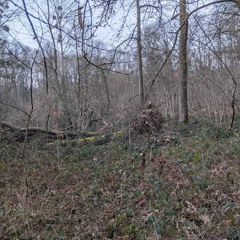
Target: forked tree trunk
(183, 99)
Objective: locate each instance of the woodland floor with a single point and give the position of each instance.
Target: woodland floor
(183, 184)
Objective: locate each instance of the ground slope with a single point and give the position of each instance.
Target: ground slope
(183, 183)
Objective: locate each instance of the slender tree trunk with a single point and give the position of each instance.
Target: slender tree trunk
(79, 85)
(139, 53)
(183, 100)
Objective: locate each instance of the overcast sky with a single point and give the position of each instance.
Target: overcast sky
(115, 31)
(109, 33)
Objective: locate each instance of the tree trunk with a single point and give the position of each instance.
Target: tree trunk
(183, 100)
(139, 53)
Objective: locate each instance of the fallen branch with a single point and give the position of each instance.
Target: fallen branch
(58, 133)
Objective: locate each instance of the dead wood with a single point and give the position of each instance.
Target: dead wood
(57, 133)
(149, 120)
(8, 125)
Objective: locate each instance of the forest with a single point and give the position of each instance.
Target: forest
(120, 119)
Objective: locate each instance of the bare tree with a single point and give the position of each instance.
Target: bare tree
(183, 95)
(139, 52)
(88, 73)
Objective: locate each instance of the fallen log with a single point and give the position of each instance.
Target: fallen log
(58, 133)
(96, 140)
(8, 125)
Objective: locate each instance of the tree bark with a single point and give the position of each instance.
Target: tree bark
(139, 53)
(59, 133)
(183, 98)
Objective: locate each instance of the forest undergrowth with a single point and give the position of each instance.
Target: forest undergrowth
(181, 184)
